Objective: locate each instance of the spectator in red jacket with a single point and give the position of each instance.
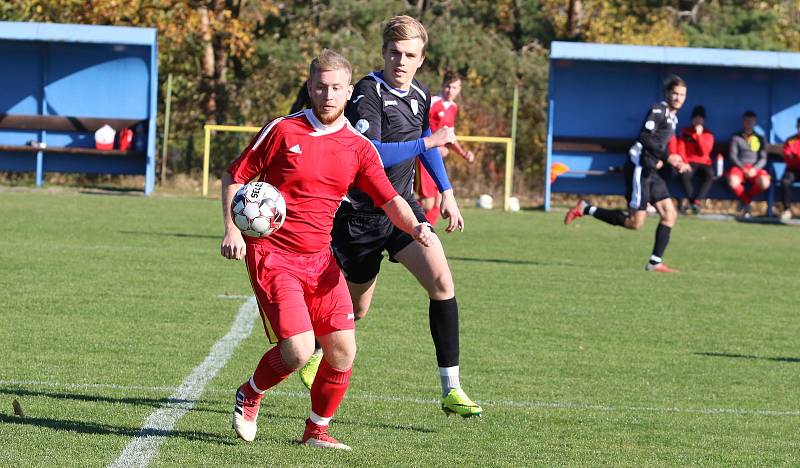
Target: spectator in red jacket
(695, 144)
(791, 154)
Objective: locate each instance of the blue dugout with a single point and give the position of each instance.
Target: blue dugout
(599, 95)
(61, 82)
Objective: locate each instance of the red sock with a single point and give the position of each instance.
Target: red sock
(327, 392)
(432, 215)
(754, 190)
(738, 190)
(271, 370)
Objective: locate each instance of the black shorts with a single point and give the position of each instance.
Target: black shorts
(643, 186)
(359, 239)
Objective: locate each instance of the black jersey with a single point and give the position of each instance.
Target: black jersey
(658, 127)
(388, 115)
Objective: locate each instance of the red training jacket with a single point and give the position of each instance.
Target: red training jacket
(791, 152)
(692, 147)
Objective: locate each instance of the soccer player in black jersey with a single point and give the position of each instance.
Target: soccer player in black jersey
(643, 182)
(390, 108)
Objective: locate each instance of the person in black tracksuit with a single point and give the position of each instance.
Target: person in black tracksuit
(643, 182)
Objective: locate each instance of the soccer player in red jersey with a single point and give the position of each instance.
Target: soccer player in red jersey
(443, 113)
(313, 157)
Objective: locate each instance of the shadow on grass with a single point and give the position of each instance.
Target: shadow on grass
(749, 356)
(271, 414)
(152, 402)
(494, 260)
(173, 234)
(88, 427)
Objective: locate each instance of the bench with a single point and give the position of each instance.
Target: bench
(69, 145)
(596, 169)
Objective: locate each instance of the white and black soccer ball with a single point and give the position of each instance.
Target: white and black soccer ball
(258, 209)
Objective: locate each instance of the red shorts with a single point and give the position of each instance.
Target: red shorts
(426, 188)
(737, 171)
(298, 293)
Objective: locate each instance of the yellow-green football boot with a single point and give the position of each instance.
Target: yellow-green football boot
(309, 371)
(457, 402)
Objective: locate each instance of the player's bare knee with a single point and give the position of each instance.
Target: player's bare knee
(634, 223)
(441, 286)
(341, 353)
(296, 353)
(360, 312)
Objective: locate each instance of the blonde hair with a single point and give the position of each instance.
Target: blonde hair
(403, 28)
(328, 60)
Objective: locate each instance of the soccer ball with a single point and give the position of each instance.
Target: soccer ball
(485, 201)
(258, 209)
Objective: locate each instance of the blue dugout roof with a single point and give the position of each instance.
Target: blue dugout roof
(674, 55)
(79, 33)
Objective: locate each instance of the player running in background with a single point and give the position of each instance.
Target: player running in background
(391, 108)
(312, 157)
(644, 183)
(443, 113)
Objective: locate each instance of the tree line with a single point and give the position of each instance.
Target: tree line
(242, 61)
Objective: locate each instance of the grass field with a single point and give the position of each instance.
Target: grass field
(577, 355)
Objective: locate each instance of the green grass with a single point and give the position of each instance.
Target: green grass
(578, 356)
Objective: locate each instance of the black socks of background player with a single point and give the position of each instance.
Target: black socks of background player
(443, 318)
(613, 217)
(662, 239)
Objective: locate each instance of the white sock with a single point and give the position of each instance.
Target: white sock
(450, 379)
(655, 260)
(592, 209)
(319, 420)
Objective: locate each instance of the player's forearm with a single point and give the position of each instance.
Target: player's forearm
(650, 143)
(458, 149)
(229, 188)
(395, 153)
(432, 160)
(762, 160)
(400, 214)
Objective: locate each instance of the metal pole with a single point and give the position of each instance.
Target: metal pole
(165, 143)
(206, 156)
(510, 151)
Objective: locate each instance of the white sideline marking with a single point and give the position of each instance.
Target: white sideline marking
(226, 296)
(432, 401)
(159, 424)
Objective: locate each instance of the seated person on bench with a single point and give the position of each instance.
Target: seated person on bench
(748, 156)
(791, 155)
(694, 144)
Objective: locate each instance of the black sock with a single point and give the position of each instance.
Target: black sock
(613, 217)
(662, 239)
(443, 316)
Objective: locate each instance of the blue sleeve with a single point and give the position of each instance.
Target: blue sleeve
(432, 160)
(393, 154)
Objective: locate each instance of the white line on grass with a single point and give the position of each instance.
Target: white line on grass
(159, 424)
(430, 401)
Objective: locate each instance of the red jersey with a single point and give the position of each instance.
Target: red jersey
(692, 147)
(442, 113)
(791, 152)
(313, 166)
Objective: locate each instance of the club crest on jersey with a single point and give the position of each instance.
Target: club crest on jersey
(362, 126)
(414, 106)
